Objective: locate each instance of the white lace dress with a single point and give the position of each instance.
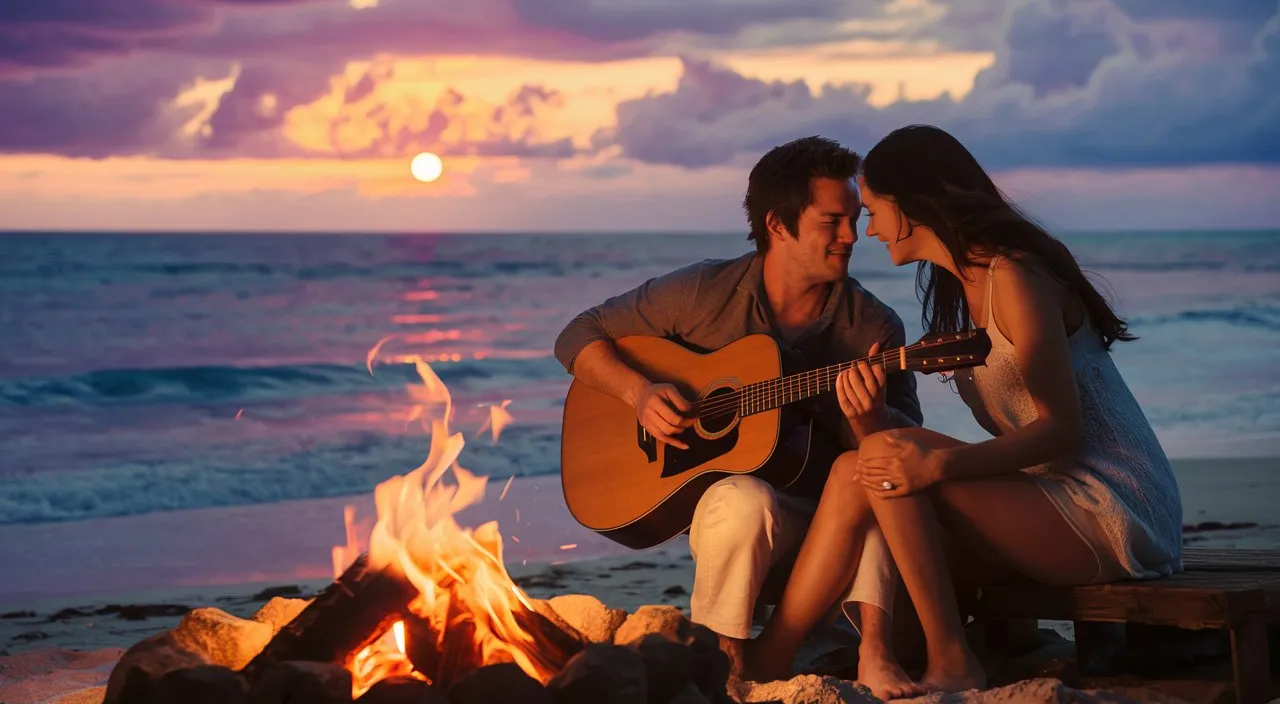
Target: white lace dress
(1120, 475)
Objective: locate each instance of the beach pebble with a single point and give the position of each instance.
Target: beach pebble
(601, 674)
(666, 621)
(280, 611)
(596, 622)
(221, 638)
(669, 666)
(206, 684)
(402, 690)
(295, 681)
(806, 689)
(131, 678)
(504, 682)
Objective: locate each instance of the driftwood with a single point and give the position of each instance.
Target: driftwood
(349, 614)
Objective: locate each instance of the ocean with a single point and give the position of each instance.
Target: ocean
(146, 373)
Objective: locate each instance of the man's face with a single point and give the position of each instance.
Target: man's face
(825, 233)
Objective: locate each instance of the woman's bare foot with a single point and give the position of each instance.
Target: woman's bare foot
(881, 673)
(958, 673)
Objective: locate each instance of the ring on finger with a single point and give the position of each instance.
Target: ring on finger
(886, 485)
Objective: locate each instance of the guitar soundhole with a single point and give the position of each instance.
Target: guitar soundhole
(721, 412)
(716, 436)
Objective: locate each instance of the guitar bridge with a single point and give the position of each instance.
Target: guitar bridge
(647, 443)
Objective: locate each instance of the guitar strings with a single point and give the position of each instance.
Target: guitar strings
(732, 402)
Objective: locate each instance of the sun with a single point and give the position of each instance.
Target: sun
(426, 167)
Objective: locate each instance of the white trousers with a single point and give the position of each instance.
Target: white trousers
(742, 528)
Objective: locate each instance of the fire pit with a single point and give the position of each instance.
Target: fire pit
(427, 613)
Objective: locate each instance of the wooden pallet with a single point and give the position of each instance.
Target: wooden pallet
(1233, 590)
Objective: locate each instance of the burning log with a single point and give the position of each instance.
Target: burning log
(448, 651)
(349, 614)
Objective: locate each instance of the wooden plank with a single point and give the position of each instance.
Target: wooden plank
(1251, 660)
(1219, 558)
(1187, 608)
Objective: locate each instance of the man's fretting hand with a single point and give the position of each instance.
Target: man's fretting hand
(860, 390)
(664, 413)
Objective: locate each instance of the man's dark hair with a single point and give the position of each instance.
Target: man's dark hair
(780, 182)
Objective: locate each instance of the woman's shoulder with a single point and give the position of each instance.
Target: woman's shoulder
(1025, 271)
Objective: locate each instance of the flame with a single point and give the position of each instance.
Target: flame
(466, 602)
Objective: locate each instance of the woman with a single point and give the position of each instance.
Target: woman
(1073, 488)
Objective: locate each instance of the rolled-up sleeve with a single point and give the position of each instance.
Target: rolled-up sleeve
(656, 307)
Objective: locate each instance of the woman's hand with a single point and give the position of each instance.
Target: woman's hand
(893, 464)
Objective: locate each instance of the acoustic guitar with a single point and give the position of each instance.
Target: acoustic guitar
(621, 482)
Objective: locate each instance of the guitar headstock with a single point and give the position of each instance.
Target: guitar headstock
(949, 351)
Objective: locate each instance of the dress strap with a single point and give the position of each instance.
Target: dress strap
(991, 276)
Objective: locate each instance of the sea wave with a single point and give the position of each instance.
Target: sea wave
(1265, 319)
(221, 384)
(258, 473)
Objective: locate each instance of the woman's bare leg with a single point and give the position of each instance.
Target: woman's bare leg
(1005, 518)
(825, 565)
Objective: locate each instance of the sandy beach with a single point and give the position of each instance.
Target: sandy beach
(75, 595)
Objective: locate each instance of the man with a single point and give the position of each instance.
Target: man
(802, 206)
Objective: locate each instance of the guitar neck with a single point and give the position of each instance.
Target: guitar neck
(767, 395)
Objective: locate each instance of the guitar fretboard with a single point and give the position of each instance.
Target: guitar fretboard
(767, 395)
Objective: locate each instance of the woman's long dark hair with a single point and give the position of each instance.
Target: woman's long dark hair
(937, 183)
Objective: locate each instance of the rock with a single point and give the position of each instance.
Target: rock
(806, 689)
(596, 622)
(601, 674)
(295, 681)
(206, 684)
(690, 695)
(222, 639)
(545, 609)
(504, 682)
(669, 666)
(711, 664)
(402, 690)
(132, 677)
(667, 621)
(280, 611)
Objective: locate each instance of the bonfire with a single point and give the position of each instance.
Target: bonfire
(467, 605)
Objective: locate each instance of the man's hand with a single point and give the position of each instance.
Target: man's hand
(860, 390)
(664, 413)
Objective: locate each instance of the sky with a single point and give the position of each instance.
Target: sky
(618, 115)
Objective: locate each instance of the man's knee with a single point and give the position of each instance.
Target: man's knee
(739, 508)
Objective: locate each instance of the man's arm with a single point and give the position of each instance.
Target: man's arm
(876, 399)
(902, 405)
(657, 307)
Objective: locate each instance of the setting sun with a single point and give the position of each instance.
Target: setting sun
(426, 167)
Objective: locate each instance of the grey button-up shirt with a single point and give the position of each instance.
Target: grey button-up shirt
(712, 303)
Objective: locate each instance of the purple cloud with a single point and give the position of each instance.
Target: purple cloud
(624, 20)
(1116, 107)
(120, 109)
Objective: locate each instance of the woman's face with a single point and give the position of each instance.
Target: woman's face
(886, 223)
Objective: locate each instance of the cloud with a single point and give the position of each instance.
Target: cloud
(1074, 81)
(625, 20)
(1117, 104)
(123, 108)
(1256, 11)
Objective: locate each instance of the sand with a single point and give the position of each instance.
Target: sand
(62, 625)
